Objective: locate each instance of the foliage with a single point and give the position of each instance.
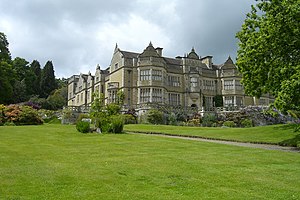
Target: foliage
(83, 127)
(97, 106)
(48, 82)
(155, 116)
(6, 82)
(29, 116)
(218, 100)
(19, 91)
(294, 142)
(2, 115)
(129, 119)
(113, 109)
(4, 51)
(103, 122)
(117, 123)
(229, 124)
(81, 116)
(209, 119)
(35, 67)
(58, 99)
(21, 68)
(130, 116)
(21, 115)
(20, 80)
(193, 122)
(120, 97)
(172, 119)
(268, 55)
(247, 123)
(108, 117)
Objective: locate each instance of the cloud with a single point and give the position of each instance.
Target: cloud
(79, 34)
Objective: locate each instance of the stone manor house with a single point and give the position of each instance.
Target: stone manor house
(148, 79)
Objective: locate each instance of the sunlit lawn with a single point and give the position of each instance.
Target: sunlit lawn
(265, 134)
(57, 162)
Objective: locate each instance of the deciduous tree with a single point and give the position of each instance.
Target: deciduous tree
(269, 52)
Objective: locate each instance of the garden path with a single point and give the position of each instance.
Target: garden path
(242, 144)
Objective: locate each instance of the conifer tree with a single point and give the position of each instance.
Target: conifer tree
(6, 72)
(35, 67)
(48, 83)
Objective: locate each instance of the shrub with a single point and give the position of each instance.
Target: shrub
(117, 124)
(155, 116)
(22, 115)
(103, 122)
(2, 108)
(229, 124)
(29, 116)
(83, 127)
(208, 119)
(172, 119)
(81, 116)
(9, 124)
(129, 119)
(194, 122)
(247, 123)
(113, 109)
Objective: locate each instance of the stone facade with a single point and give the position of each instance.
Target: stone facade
(149, 79)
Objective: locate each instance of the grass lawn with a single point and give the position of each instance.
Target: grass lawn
(264, 134)
(57, 162)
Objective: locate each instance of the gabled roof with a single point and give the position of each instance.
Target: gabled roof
(128, 54)
(149, 52)
(228, 64)
(193, 54)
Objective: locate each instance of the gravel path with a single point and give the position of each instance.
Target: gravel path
(242, 144)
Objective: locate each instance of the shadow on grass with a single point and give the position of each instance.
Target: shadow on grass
(294, 142)
(294, 127)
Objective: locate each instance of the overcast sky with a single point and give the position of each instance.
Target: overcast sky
(79, 34)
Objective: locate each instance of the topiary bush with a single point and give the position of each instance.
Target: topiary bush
(83, 127)
(229, 124)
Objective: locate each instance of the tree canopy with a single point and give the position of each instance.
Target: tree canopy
(269, 52)
(48, 82)
(4, 51)
(21, 81)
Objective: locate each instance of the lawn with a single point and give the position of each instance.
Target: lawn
(263, 134)
(57, 162)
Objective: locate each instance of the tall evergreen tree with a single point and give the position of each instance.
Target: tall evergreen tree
(4, 51)
(48, 83)
(35, 67)
(6, 82)
(7, 76)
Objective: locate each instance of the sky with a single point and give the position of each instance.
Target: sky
(77, 35)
